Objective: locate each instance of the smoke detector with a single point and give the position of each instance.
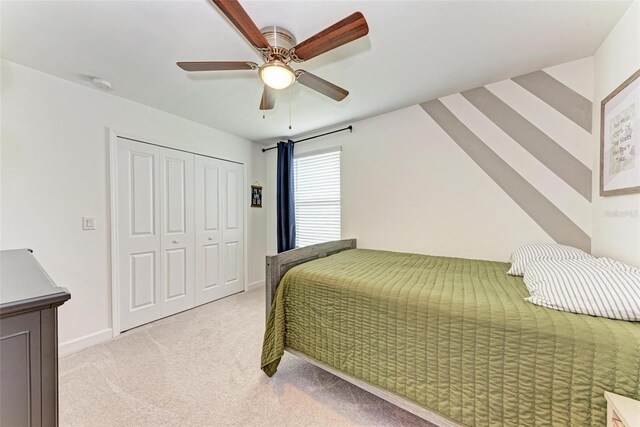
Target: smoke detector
(101, 84)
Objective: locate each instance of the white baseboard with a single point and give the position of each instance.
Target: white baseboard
(255, 285)
(81, 343)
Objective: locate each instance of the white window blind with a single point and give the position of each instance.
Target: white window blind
(317, 197)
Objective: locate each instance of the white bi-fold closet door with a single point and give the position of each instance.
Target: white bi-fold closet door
(180, 231)
(219, 236)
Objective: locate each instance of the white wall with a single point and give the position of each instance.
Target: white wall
(257, 239)
(54, 170)
(399, 191)
(616, 222)
(407, 186)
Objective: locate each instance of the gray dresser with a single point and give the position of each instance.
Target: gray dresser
(28, 341)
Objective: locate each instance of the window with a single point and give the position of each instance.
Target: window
(317, 197)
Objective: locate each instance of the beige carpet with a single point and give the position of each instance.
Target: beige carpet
(201, 368)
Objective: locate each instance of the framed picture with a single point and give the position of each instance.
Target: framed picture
(620, 139)
(256, 196)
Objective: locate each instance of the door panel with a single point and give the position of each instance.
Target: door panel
(175, 197)
(232, 233)
(231, 266)
(210, 174)
(208, 234)
(232, 199)
(143, 280)
(138, 232)
(142, 193)
(211, 266)
(176, 273)
(219, 219)
(177, 231)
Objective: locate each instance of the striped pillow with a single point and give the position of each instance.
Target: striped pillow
(598, 287)
(537, 251)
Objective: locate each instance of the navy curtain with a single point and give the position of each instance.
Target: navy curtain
(286, 208)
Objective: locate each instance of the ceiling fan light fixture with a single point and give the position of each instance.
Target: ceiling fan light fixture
(277, 75)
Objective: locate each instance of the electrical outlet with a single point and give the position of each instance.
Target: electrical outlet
(88, 222)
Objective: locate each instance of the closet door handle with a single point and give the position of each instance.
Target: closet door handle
(175, 242)
(210, 238)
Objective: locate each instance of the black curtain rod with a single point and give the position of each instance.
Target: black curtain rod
(349, 128)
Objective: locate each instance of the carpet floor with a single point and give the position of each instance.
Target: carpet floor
(201, 368)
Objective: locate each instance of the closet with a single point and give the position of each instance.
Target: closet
(179, 228)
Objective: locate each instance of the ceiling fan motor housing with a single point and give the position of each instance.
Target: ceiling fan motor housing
(281, 41)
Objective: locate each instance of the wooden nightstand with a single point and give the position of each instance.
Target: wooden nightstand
(622, 411)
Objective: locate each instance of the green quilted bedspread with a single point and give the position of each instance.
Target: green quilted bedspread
(455, 336)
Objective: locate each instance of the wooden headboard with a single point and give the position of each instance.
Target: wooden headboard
(278, 265)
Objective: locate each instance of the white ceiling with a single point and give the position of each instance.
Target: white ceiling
(415, 51)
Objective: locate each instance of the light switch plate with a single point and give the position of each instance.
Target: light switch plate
(88, 222)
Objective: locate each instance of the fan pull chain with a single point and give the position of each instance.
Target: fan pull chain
(289, 107)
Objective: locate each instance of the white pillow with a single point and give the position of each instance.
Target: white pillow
(598, 287)
(618, 264)
(537, 251)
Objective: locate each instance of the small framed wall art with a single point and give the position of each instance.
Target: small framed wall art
(620, 139)
(256, 195)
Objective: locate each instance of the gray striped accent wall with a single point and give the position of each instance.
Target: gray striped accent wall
(567, 101)
(515, 113)
(532, 139)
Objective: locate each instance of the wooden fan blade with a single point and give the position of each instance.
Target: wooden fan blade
(268, 100)
(243, 22)
(349, 29)
(217, 65)
(321, 85)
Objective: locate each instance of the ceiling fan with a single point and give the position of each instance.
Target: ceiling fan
(278, 49)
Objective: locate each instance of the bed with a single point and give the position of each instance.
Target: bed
(449, 339)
